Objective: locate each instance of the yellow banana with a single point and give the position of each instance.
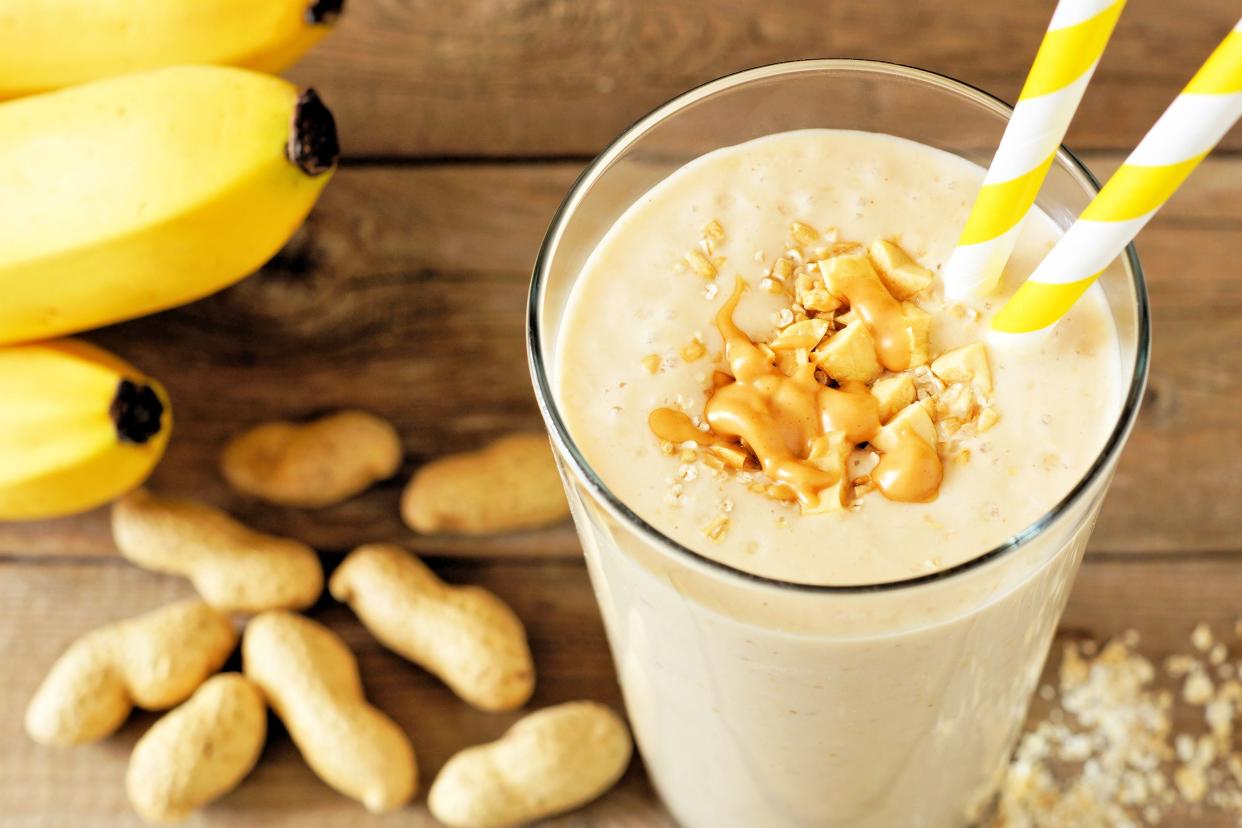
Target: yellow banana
(48, 44)
(78, 427)
(129, 195)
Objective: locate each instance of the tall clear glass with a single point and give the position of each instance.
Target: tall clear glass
(762, 703)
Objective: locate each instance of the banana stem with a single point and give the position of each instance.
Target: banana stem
(323, 11)
(137, 412)
(313, 145)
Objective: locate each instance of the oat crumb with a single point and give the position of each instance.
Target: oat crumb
(717, 528)
(1190, 783)
(1201, 638)
(701, 264)
(1179, 665)
(693, 350)
(1198, 689)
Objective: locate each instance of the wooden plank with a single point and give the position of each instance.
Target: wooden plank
(45, 605)
(538, 78)
(405, 295)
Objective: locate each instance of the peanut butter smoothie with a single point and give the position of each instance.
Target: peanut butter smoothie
(758, 361)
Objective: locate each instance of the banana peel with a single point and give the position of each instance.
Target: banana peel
(78, 427)
(51, 44)
(134, 194)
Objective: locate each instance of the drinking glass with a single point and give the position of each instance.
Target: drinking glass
(757, 702)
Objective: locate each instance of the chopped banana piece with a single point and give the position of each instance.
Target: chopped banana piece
(918, 328)
(957, 400)
(893, 394)
(831, 452)
(902, 275)
(840, 271)
(968, 364)
(949, 426)
(849, 354)
(914, 417)
(812, 295)
(804, 334)
(733, 456)
(787, 362)
(987, 418)
(856, 272)
(820, 301)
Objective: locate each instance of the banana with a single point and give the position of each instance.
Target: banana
(130, 195)
(78, 427)
(49, 44)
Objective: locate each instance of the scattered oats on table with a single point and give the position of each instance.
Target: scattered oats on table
(1122, 746)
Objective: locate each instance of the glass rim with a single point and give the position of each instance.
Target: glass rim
(559, 433)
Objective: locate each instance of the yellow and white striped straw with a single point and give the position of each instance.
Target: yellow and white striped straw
(1187, 131)
(1076, 38)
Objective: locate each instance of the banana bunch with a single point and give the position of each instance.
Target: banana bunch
(48, 44)
(128, 194)
(133, 194)
(78, 427)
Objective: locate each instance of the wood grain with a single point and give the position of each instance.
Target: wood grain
(405, 294)
(45, 605)
(560, 77)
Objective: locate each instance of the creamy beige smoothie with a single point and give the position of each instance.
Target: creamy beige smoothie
(640, 309)
(759, 361)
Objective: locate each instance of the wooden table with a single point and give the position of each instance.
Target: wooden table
(463, 126)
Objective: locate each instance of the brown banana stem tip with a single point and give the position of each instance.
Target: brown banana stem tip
(137, 412)
(322, 12)
(312, 144)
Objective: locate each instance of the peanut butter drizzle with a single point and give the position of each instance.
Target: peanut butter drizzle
(911, 472)
(800, 430)
(673, 426)
(881, 313)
